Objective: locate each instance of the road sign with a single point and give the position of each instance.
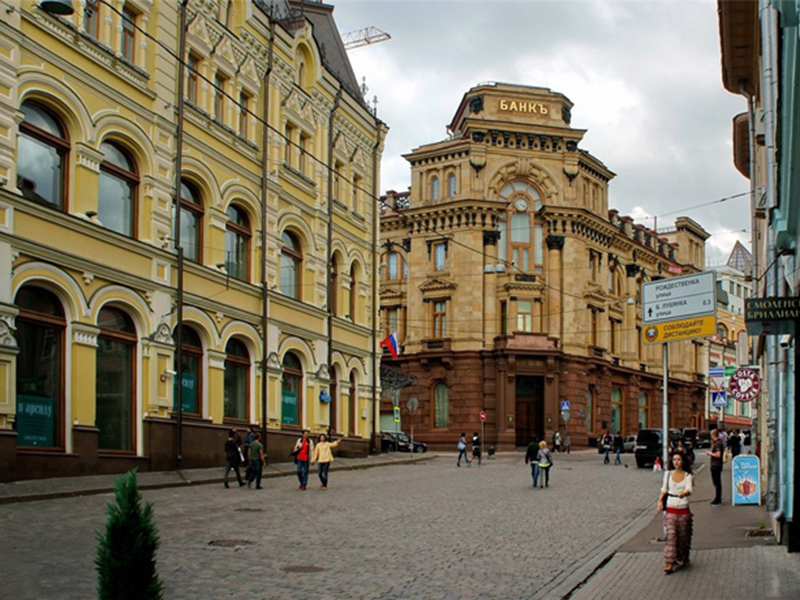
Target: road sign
(396, 414)
(565, 405)
(483, 415)
(730, 370)
(413, 404)
(679, 298)
(745, 384)
(684, 329)
(716, 379)
(565, 415)
(719, 399)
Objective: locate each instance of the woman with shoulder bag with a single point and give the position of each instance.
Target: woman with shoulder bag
(674, 499)
(545, 460)
(462, 449)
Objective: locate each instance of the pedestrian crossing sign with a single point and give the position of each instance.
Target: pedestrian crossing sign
(719, 399)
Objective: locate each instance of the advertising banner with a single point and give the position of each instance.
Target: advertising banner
(35, 421)
(289, 407)
(746, 480)
(189, 393)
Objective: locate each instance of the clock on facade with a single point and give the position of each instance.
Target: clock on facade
(521, 205)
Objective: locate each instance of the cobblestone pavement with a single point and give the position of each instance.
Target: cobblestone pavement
(428, 530)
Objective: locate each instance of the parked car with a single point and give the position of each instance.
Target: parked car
(690, 437)
(648, 445)
(629, 443)
(397, 441)
(703, 439)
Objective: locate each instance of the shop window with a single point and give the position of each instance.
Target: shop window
(237, 243)
(291, 266)
(115, 381)
(291, 390)
(237, 380)
(116, 198)
(42, 153)
(644, 411)
(617, 424)
(191, 373)
(441, 406)
(40, 369)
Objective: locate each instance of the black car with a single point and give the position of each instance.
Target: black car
(648, 445)
(703, 439)
(397, 441)
(690, 437)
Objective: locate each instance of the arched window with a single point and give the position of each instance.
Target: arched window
(42, 152)
(116, 198)
(291, 266)
(441, 406)
(291, 390)
(522, 228)
(237, 380)
(722, 331)
(353, 292)
(335, 285)
(352, 419)
(334, 404)
(192, 372)
(301, 75)
(435, 188)
(191, 222)
(115, 382)
(451, 185)
(40, 369)
(237, 243)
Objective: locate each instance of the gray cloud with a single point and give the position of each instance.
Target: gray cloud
(644, 76)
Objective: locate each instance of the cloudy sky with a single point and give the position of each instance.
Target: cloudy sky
(644, 76)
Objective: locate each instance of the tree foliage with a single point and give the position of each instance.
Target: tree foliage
(126, 551)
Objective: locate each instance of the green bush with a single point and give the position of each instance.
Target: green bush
(126, 551)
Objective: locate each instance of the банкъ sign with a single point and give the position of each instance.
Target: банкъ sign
(771, 316)
(536, 108)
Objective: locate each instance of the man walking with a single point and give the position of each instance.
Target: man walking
(716, 466)
(567, 442)
(530, 457)
(607, 440)
(619, 445)
(303, 451)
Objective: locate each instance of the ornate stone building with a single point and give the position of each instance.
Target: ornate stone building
(88, 261)
(513, 287)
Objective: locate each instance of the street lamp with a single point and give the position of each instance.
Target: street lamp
(57, 7)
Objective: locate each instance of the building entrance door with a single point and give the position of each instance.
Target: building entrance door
(529, 413)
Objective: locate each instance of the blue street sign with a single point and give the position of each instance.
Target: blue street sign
(719, 399)
(565, 405)
(716, 372)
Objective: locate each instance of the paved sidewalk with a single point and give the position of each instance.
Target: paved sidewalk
(65, 487)
(726, 560)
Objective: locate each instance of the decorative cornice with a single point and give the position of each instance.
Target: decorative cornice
(7, 339)
(436, 284)
(84, 334)
(555, 242)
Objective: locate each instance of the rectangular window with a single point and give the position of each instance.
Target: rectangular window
(192, 65)
(391, 320)
(593, 326)
(244, 117)
(439, 319)
(354, 192)
(593, 265)
(219, 97)
(91, 18)
(287, 149)
(525, 316)
(128, 34)
(303, 151)
(439, 256)
(615, 336)
(503, 317)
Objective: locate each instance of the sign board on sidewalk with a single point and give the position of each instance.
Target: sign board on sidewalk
(745, 384)
(679, 298)
(565, 405)
(746, 480)
(719, 399)
(685, 329)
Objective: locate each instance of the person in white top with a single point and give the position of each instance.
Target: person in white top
(674, 498)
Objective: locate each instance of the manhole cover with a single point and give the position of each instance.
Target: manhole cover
(303, 569)
(248, 510)
(229, 543)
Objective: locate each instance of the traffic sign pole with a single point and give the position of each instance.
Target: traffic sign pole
(664, 408)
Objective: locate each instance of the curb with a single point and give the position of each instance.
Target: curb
(184, 482)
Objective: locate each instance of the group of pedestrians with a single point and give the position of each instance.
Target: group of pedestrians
(615, 443)
(540, 458)
(463, 449)
(250, 451)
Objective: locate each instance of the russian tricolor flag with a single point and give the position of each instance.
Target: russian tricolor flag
(391, 344)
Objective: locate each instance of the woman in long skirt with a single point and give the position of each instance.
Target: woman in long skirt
(674, 498)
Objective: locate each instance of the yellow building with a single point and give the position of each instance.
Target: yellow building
(514, 289)
(88, 263)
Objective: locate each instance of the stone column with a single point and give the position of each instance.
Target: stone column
(490, 308)
(555, 282)
(83, 395)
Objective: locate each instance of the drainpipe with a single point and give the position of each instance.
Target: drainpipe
(264, 201)
(375, 308)
(329, 251)
(178, 185)
(768, 41)
(751, 117)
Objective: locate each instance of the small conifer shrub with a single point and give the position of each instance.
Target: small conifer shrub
(126, 551)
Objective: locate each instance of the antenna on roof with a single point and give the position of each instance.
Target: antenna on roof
(364, 37)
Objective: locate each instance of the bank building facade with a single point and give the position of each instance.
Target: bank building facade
(513, 287)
